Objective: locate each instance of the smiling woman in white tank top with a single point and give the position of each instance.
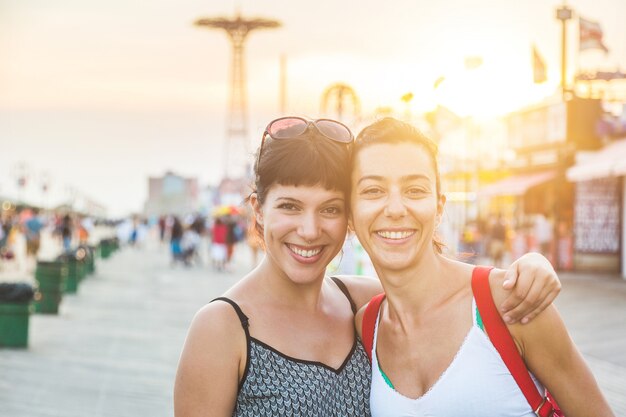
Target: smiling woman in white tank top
(430, 358)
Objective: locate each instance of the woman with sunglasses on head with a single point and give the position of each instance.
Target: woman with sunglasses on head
(282, 340)
(428, 309)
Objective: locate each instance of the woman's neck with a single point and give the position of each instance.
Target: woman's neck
(276, 287)
(412, 292)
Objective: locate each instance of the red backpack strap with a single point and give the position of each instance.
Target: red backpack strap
(369, 322)
(503, 342)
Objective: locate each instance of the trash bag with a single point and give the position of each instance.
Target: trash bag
(16, 292)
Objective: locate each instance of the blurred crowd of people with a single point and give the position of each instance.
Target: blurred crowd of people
(24, 227)
(186, 236)
(498, 240)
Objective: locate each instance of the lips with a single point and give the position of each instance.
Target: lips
(395, 234)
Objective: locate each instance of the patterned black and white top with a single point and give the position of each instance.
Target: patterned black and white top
(275, 384)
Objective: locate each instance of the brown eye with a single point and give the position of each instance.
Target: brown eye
(371, 191)
(287, 206)
(417, 191)
(332, 210)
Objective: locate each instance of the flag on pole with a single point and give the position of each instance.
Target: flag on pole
(590, 35)
(539, 67)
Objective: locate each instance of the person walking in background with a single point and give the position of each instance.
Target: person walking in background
(198, 225)
(231, 238)
(6, 235)
(176, 235)
(470, 242)
(162, 229)
(497, 241)
(32, 233)
(134, 232)
(543, 232)
(189, 246)
(219, 249)
(82, 232)
(87, 228)
(67, 229)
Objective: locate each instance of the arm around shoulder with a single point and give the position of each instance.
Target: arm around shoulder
(210, 364)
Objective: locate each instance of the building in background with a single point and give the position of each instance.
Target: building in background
(599, 178)
(171, 194)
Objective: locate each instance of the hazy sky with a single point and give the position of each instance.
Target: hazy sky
(100, 94)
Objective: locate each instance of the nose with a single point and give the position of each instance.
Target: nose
(309, 229)
(395, 207)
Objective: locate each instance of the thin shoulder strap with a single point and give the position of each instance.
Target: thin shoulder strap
(369, 323)
(245, 324)
(345, 291)
(503, 342)
(242, 317)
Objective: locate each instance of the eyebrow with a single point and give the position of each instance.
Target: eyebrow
(382, 178)
(295, 200)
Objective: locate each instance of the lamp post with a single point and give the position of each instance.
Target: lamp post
(564, 14)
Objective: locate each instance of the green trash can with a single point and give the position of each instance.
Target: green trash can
(15, 310)
(91, 259)
(106, 248)
(14, 318)
(51, 277)
(74, 273)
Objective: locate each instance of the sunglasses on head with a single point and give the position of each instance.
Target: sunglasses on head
(294, 127)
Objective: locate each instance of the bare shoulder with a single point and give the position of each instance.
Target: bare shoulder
(362, 288)
(217, 316)
(214, 349)
(215, 330)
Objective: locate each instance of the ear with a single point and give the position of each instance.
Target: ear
(256, 208)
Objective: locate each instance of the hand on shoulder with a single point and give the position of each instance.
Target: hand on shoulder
(534, 285)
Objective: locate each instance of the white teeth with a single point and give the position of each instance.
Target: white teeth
(395, 235)
(304, 253)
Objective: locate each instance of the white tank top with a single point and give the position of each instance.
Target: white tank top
(476, 384)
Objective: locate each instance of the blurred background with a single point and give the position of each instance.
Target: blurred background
(135, 123)
(110, 108)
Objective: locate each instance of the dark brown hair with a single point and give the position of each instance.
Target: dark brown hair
(390, 130)
(309, 160)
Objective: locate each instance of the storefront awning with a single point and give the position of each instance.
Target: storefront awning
(516, 185)
(610, 161)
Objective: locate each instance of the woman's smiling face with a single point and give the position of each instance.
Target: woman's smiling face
(304, 228)
(394, 202)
